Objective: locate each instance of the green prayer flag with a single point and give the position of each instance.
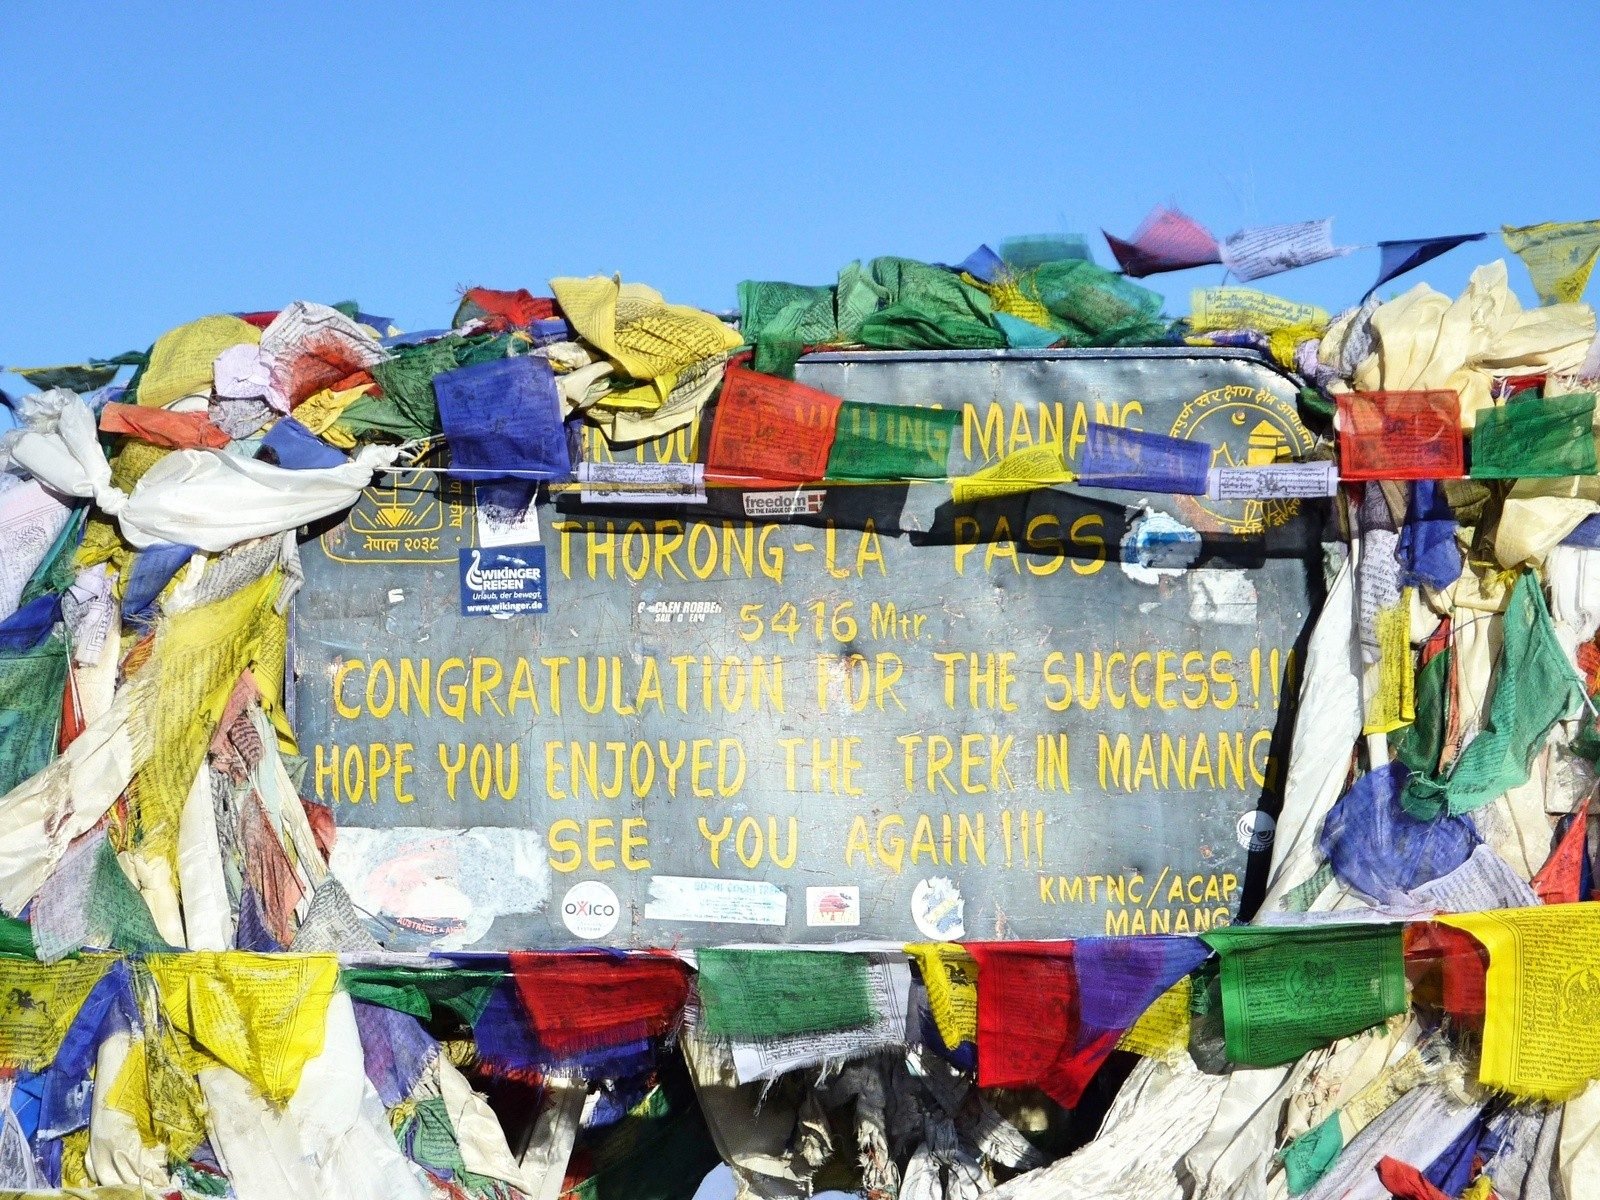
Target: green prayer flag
(781, 319)
(59, 567)
(892, 441)
(748, 994)
(1419, 744)
(76, 377)
(1534, 687)
(1535, 439)
(118, 910)
(1095, 307)
(927, 308)
(1289, 989)
(464, 991)
(1307, 1159)
(31, 686)
(16, 938)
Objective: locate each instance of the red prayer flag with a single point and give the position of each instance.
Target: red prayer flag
(1405, 1182)
(506, 309)
(1446, 967)
(1029, 1023)
(72, 722)
(161, 427)
(1560, 880)
(771, 428)
(1167, 240)
(580, 1001)
(1400, 435)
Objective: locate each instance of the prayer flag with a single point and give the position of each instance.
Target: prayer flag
(262, 1015)
(31, 686)
(1541, 1032)
(182, 359)
(1382, 851)
(1404, 1182)
(1534, 687)
(771, 428)
(1427, 549)
(1231, 309)
(290, 444)
(1559, 256)
(582, 1001)
(162, 427)
(1166, 240)
(503, 419)
(1535, 439)
(750, 994)
(892, 441)
(1027, 470)
(1146, 462)
(982, 264)
(950, 975)
(1396, 258)
(1036, 249)
(501, 310)
(1400, 435)
(153, 568)
(27, 628)
(1290, 989)
(1049, 1013)
(1560, 880)
(1269, 249)
(75, 377)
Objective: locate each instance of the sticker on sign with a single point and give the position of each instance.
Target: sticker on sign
(505, 581)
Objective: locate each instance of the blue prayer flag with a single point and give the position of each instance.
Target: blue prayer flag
(1144, 462)
(983, 263)
(290, 444)
(1427, 549)
(503, 420)
(1375, 846)
(27, 628)
(153, 569)
(1400, 257)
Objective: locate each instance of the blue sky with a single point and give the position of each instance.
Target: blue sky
(166, 161)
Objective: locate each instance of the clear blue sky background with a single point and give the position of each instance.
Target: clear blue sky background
(166, 161)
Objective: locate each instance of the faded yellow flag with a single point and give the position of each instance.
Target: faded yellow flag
(1559, 256)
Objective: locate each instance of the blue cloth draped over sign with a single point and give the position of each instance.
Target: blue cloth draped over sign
(502, 420)
(1146, 462)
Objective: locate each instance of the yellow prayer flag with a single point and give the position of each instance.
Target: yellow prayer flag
(37, 1004)
(1228, 309)
(1040, 466)
(182, 359)
(263, 1015)
(1395, 703)
(1541, 1030)
(951, 976)
(1559, 256)
(638, 330)
(1163, 1031)
(318, 411)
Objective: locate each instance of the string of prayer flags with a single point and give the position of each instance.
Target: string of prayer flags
(1400, 435)
(262, 1015)
(1397, 257)
(1289, 989)
(771, 428)
(1049, 1013)
(1530, 438)
(892, 442)
(1151, 462)
(581, 1001)
(1270, 249)
(503, 420)
(1166, 240)
(1376, 847)
(950, 975)
(1541, 1030)
(1560, 880)
(753, 994)
(1041, 466)
(1559, 255)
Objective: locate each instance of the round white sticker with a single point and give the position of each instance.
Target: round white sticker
(1255, 830)
(938, 909)
(590, 909)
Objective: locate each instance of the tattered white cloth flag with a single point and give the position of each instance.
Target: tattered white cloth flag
(1269, 249)
(199, 498)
